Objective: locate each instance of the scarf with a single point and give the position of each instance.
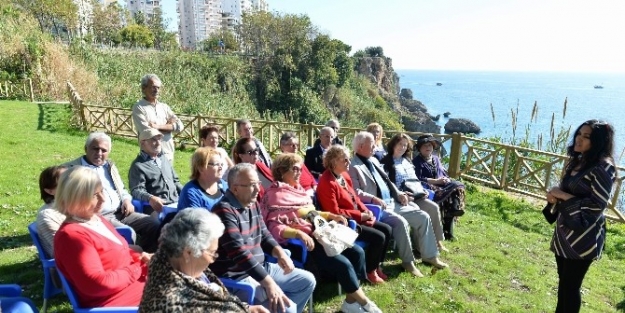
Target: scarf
(280, 205)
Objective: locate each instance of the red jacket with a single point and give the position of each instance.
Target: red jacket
(307, 180)
(103, 273)
(336, 199)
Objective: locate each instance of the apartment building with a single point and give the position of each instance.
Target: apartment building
(197, 19)
(145, 6)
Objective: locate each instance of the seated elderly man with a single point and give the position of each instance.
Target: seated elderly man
(374, 186)
(314, 155)
(117, 207)
(151, 177)
(241, 249)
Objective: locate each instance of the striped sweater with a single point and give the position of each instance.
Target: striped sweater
(243, 242)
(580, 226)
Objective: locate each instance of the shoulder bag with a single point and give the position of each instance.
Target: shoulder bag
(414, 187)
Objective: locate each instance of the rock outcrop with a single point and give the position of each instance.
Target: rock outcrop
(461, 125)
(413, 113)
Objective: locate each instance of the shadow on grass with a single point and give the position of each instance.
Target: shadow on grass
(12, 242)
(620, 307)
(54, 117)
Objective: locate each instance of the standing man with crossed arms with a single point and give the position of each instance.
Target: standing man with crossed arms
(151, 113)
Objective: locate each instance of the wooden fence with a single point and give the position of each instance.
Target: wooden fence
(17, 90)
(500, 166)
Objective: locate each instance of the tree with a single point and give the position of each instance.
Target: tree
(158, 27)
(225, 36)
(107, 22)
(56, 16)
(137, 36)
(374, 51)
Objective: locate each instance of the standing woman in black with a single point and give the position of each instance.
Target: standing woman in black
(579, 203)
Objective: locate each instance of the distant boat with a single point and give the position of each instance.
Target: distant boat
(440, 84)
(598, 87)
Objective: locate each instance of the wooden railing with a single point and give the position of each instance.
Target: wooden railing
(496, 165)
(17, 90)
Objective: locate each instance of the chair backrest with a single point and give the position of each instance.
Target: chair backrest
(32, 229)
(126, 232)
(233, 285)
(73, 300)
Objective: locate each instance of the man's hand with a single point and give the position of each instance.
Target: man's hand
(285, 263)
(379, 201)
(310, 244)
(156, 203)
(403, 199)
(278, 301)
(127, 207)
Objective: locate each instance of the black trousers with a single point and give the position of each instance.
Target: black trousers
(378, 238)
(571, 275)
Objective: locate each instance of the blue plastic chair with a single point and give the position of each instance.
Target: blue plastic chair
(234, 285)
(49, 266)
(73, 300)
(13, 302)
(138, 204)
(126, 232)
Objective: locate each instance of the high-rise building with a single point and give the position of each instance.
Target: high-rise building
(198, 19)
(146, 7)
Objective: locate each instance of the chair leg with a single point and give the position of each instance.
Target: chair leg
(340, 291)
(45, 306)
(310, 304)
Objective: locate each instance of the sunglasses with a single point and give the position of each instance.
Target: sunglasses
(296, 169)
(253, 152)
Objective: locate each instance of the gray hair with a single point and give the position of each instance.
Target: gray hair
(192, 228)
(242, 121)
(327, 129)
(97, 136)
(234, 171)
(286, 136)
(333, 121)
(147, 78)
(360, 138)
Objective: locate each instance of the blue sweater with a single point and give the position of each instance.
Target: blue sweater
(193, 196)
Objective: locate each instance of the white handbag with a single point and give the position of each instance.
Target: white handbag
(334, 237)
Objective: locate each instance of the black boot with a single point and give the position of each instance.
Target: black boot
(448, 228)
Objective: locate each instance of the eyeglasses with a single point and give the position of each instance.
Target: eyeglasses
(294, 145)
(212, 254)
(254, 184)
(296, 169)
(215, 164)
(253, 152)
(99, 193)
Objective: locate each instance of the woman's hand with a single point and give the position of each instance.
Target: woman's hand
(557, 193)
(258, 309)
(307, 240)
(146, 257)
(365, 216)
(339, 219)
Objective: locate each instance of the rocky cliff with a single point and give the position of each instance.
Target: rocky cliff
(413, 113)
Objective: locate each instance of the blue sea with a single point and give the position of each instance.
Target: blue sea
(469, 94)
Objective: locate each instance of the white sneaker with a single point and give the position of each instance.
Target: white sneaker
(371, 308)
(351, 307)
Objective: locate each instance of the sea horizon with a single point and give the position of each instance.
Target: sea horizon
(470, 94)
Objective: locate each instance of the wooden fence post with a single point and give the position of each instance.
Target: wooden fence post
(454, 157)
(32, 92)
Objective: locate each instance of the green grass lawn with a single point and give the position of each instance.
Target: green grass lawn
(501, 262)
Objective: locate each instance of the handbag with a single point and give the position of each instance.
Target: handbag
(332, 236)
(414, 187)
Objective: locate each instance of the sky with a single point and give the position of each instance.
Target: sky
(499, 35)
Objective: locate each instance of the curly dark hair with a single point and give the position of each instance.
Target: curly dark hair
(601, 146)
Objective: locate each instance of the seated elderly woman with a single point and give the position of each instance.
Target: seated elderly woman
(48, 218)
(206, 186)
(179, 279)
(376, 130)
(336, 194)
(448, 193)
(285, 206)
(399, 168)
(209, 137)
(245, 150)
(289, 144)
(89, 252)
